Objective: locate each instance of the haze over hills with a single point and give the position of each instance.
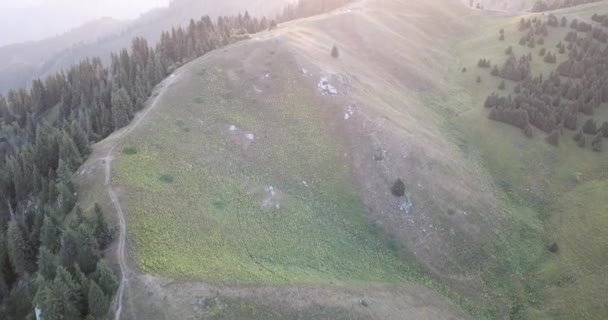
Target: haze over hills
(21, 63)
(364, 159)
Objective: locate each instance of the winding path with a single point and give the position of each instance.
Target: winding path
(122, 223)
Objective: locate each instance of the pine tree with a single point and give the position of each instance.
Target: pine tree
(68, 291)
(66, 188)
(106, 278)
(47, 263)
(101, 230)
(49, 235)
(98, 302)
(68, 152)
(87, 250)
(604, 127)
(334, 52)
(590, 127)
(122, 108)
(69, 248)
(3, 266)
(20, 251)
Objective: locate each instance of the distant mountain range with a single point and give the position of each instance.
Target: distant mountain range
(21, 63)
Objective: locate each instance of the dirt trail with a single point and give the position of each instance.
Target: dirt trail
(122, 224)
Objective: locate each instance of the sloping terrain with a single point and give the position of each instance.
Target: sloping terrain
(21, 63)
(252, 189)
(514, 6)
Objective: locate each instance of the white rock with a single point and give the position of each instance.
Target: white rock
(250, 136)
(232, 128)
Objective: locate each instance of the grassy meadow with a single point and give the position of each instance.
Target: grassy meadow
(549, 194)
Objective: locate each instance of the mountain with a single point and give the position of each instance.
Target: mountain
(21, 63)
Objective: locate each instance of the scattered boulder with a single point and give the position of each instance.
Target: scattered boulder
(326, 88)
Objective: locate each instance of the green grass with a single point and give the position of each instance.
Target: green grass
(206, 219)
(548, 194)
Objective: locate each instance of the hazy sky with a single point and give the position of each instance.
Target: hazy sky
(24, 20)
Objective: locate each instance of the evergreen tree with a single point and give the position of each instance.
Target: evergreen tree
(3, 266)
(68, 291)
(334, 52)
(66, 188)
(101, 230)
(98, 303)
(69, 248)
(20, 251)
(106, 278)
(49, 235)
(47, 263)
(590, 127)
(87, 249)
(122, 108)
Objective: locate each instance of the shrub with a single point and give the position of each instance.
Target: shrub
(502, 85)
(590, 127)
(130, 150)
(553, 138)
(398, 189)
(334, 52)
(554, 247)
(166, 178)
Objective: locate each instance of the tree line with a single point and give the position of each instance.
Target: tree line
(50, 250)
(553, 103)
(541, 5)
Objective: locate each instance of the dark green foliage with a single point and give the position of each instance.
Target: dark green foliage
(582, 142)
(597, 143)
(49, 235)
(38, 159)
(604, 129)
(509, 50)
(550, 58)
(334, 52)
(501, 37)
(553, 138)
(69, 248)
(98, 302)
(20, 251)
(554, 247)
(122, 108)
(552, 102)
(47, 263)
(590, 127)
(87, 249)
(106, 278)
(130, 150)
(166, 178)
(502, 85)
(398, 188)
(478, 79)
(101, 230)
(495, 71)
(483, 63)
(578, 136)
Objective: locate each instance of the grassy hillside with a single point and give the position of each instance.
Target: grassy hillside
(263, 197)
(554, 193)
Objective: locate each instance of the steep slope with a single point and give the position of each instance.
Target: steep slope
(245, 174)
(24, 62)
(268, 194)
